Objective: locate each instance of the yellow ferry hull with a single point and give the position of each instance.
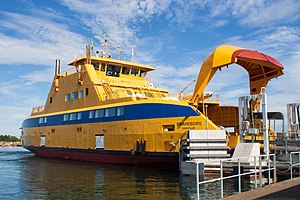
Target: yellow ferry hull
(146, 134)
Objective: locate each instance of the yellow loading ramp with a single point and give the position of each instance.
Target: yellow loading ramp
(260, 67)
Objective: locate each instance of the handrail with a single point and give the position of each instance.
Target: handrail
(295, 164)
(239, 175)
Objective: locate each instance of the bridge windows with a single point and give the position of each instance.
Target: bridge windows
(96, 66)
(134, 71)
(125, 70)
(142, 73)
(113, 70)
(103, 67)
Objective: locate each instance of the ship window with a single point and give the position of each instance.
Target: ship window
(66, 117)
(129, 93)
(167, 128)
(53, 130)
(91, 114)
(45, 119)
(50, 99)
(113, 70)
(110, 112)
(74, 95)
(41, 120)
(103, 67)
(120, 111)
(86, 91)
(142, 73)
(73, 116)
(96, 66)
(78, 116)
(149, 94)
(81, 94)
(68, 97)
(134, 71)
(99, 113)
(125, 70)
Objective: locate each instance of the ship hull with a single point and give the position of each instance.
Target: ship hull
(143, 159)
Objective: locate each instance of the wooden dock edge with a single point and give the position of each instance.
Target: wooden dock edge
(288, 189)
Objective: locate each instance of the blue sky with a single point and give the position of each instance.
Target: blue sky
(173, 36)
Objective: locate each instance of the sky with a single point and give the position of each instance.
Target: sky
(173, 36)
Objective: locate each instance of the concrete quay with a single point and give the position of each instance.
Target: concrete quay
(288, 189)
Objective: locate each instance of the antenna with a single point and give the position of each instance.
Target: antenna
(105, 45)
(88, 54)
(132, 54)
(92, 43)
(119, 51)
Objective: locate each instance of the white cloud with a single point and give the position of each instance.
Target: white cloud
(119, 20)
(272, 12)
(12, 120)
(36, 40)
(256, 12)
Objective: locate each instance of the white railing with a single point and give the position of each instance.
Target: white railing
(252, 171)
(68, 72)
(37, 109)
(292, 164)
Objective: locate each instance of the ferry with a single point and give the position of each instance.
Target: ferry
(106, 110)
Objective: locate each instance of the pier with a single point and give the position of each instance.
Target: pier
(289, 189)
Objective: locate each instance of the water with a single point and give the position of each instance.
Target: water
(24, 176)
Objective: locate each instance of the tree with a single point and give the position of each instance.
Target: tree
(8, 138)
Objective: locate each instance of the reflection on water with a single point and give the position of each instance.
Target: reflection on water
(24, 176)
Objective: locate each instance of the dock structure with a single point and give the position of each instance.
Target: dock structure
(289, 189)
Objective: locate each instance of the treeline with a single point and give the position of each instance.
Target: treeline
(8, 138)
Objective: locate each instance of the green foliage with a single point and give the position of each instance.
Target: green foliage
(8, 138)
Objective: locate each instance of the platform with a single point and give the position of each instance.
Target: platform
(289, 189)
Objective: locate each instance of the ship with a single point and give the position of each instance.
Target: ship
(106, 110)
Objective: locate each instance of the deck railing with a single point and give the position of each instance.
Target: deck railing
(269, 167)
(293, 162)
(256, 170)
(37, 109)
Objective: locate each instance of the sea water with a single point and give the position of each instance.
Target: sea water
(25, 176)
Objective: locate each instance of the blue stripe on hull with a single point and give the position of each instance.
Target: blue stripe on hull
(131, 112)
